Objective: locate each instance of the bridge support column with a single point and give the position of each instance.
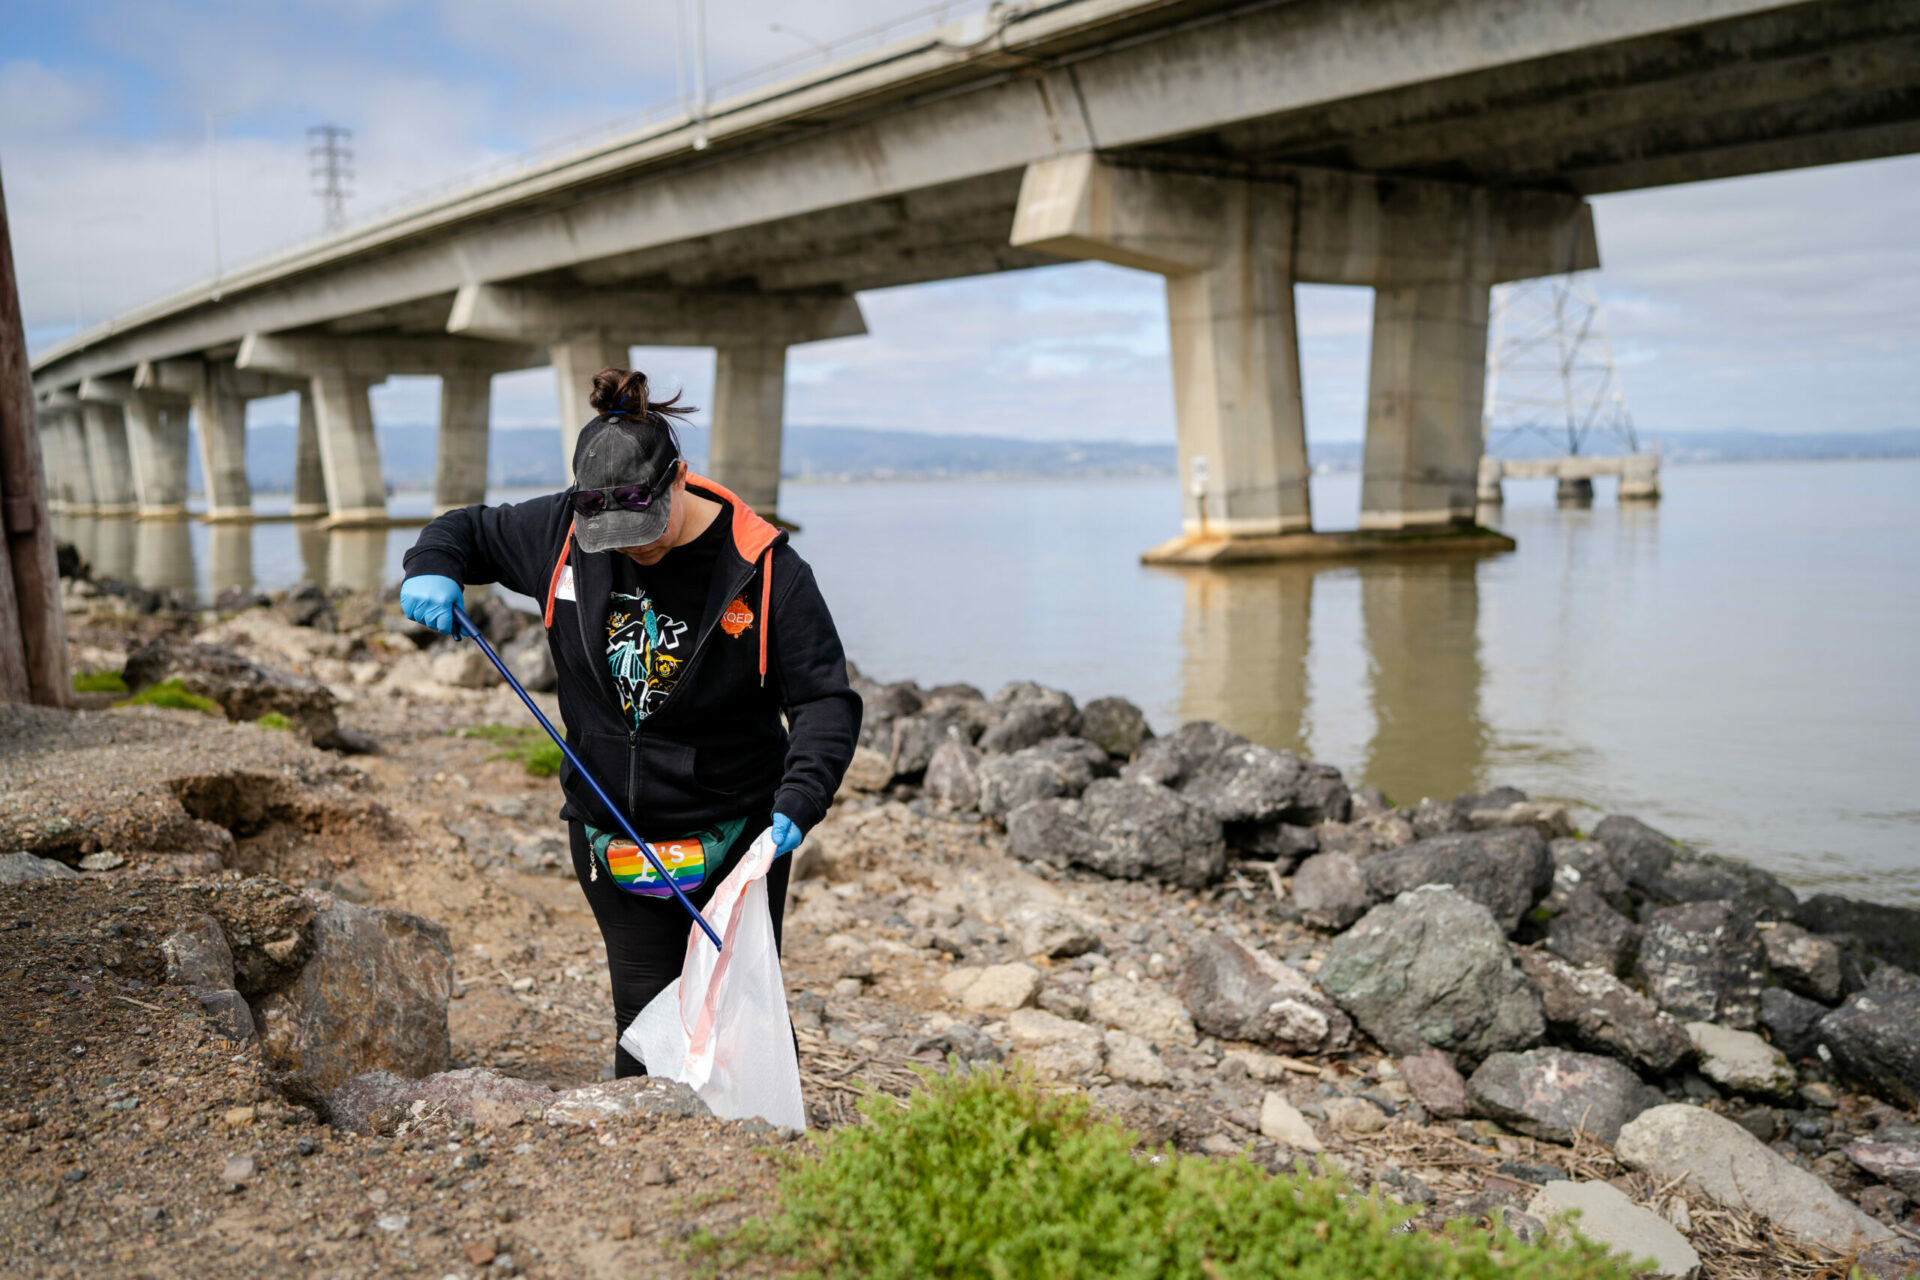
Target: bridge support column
(309, 472)
(220, 414)
(575, 360)
(460, 469)
(108, 459)
(349, 449)
(71, 469)
(157, 439)
(1225, 246)
(1429, 370)
(749, 406)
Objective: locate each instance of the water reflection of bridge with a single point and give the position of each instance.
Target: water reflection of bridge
(1271, 651)
(168, 555)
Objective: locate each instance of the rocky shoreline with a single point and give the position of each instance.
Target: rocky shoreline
(359, 929)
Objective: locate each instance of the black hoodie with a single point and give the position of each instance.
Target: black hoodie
(715, 749)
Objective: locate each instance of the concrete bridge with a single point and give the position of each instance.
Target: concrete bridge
(1426, 148)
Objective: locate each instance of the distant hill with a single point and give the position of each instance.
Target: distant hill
(530, 457)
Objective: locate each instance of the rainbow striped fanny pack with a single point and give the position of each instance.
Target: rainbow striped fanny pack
(688, 859)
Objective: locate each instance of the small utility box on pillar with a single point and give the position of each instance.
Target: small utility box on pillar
(1232, 240)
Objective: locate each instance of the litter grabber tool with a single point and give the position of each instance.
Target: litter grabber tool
(465, 625)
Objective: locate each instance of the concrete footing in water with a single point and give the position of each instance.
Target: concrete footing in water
(1352, 544)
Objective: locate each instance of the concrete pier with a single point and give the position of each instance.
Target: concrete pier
(460, 465)
(575, 361)
(108, 458)
(309, 472)
(1226, 249)
(1424, 388)
(157, 434)
(69, 473)
(749, 404)
(220, 423)
(349, 449)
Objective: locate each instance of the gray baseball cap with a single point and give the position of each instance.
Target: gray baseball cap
(612, 453)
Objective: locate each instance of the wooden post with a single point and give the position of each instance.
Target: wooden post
(33, 631)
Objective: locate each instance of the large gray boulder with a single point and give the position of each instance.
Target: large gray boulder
(1586, 865)
(1114, 725)
(376, 1101)
(1553, 1093)
(1891, 934)
(1432, 968)
(199, 959)
(1596, 1011)
(1238, 993)
(1028, 714)
(1128, 830)
(22, 867)
(952, 780)
(1323, 796)
(530, 658)
(1791, 1022)
(1145, 832)
(916, 737)
(1703, 962)
(1874, 1039)
(1056, 767)
(1506, 869)
(1173, 759)
(372, 995)
(1694, 1150)
(1245, 784)
(1639, 851)
(1587, 932)
(1329, 891)
(1803, 962)
(1699, 877)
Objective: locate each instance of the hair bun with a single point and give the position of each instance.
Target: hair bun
(620, 391)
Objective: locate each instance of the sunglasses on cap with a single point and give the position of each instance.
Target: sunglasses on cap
(632, 497)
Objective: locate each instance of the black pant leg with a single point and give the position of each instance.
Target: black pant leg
(646, 938)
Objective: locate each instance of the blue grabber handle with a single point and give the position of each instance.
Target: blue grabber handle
(466, 624)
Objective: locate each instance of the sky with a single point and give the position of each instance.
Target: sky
(1780, 303)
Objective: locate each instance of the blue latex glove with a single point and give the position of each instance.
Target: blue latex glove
(787, 835)
(429, 600)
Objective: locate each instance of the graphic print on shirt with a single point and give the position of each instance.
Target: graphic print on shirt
(643, 649)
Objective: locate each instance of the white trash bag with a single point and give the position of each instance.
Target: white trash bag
(721, 1027)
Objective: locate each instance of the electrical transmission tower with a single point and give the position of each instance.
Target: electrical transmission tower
(1550, 372)
(330, 148)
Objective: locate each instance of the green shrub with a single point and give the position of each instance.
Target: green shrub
(170, 693)
(983, 1175)
(535, 751)
(100, 682)
(274, 720)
